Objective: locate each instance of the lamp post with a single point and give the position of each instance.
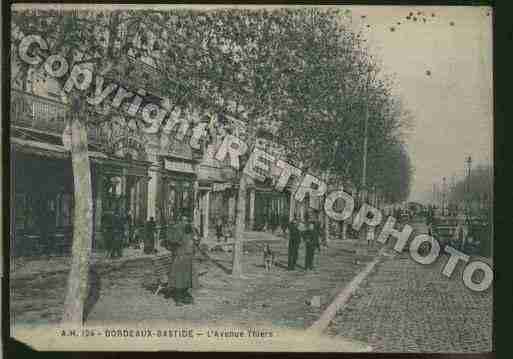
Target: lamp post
(363, 192)
(444, 196)
(468, 161)
(327, 176)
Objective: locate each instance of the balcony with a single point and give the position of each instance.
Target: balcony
(47, 117)
(37, 113)
(42, 115)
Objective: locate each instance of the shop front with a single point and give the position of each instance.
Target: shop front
(120, 187)
(271, 208)
(177, 193)
(42, 180)
(42, 204)
(42, 176)
(217, 197)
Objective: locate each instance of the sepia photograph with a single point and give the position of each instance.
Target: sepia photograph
(251, 178)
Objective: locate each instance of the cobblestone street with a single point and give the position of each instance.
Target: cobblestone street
(406, 307)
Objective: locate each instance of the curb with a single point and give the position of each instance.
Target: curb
(321, 324)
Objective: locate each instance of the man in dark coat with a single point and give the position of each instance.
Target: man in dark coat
(149, 236)
(294, 242)
(47, 229)
(118, 236)
(311, 244)
(284, 222)
(130, 229)
(273, 222)
(317, 233)
(108, 232)
(219, 228)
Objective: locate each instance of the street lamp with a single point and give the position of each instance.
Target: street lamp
(444, 193)
(468, 161)
(363, 192)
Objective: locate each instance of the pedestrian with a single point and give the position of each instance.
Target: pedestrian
(149, 236)
(129, 229)
(219, 228)
(273, 222)
(317, 232)
(294, 242)
(137, 235)
(108, 232)
(180, 275)
(284, 223)
(370, 236)
(302, 227)
(228, 231)
(118, 236)
(311, 243)
(47, 229)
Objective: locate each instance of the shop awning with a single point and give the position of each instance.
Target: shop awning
(47, 149)
(212, 174)
(180, 166)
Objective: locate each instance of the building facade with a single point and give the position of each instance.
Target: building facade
(42, 178)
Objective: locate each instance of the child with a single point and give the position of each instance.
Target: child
(219, 228)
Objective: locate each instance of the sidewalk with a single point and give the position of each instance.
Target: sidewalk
(279, 297)
(24, 268)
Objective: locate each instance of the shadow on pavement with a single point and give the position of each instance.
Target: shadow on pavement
(216, 262)
(94, 292)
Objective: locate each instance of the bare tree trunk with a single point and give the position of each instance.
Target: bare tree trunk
(77, 287)
(239, 227)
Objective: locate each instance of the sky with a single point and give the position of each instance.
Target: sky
(452, 108)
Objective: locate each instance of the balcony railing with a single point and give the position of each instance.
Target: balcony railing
(43, 114)
(37, 112)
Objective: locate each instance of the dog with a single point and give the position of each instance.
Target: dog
(268, 258)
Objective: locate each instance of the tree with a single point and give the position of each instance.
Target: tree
(302, 69)
(93, 40)
(476, 188)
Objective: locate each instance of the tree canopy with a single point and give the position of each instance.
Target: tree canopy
(303, 74)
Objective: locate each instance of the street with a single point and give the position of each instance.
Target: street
(407, 307)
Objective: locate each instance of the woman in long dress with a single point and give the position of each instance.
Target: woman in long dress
(180, 275)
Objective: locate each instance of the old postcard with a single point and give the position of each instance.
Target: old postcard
(250, 178)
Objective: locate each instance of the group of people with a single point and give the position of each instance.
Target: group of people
(272, 221)
(113, 228)
(180, 239)
(224, 229)
(120, 232)
(307, 232)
